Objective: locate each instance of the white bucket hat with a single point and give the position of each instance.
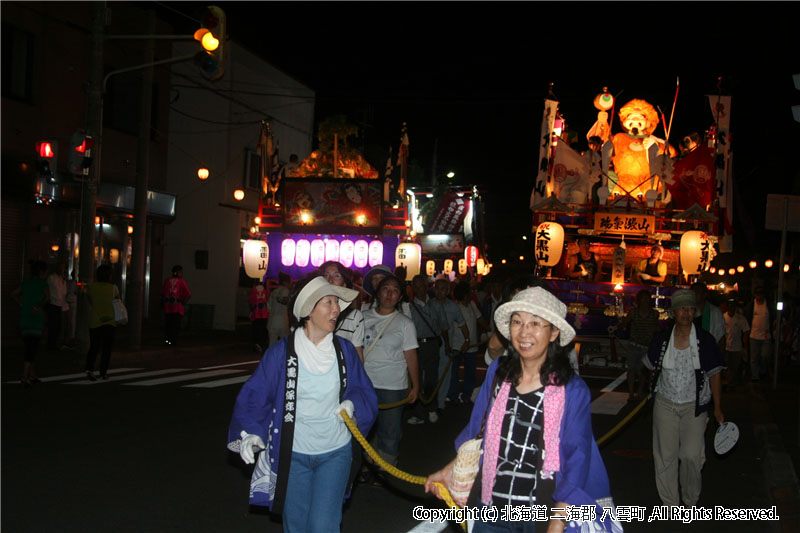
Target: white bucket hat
(536, 301)
(317, 289)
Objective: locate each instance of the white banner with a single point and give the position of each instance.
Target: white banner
(721, 111)
(541, 187)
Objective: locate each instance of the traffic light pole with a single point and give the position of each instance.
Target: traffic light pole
(139, 244)
(94, 127)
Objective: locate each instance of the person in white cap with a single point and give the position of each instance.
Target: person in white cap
(534, 416)
(687, 370)
(290, 411)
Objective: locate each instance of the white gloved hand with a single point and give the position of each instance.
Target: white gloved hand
(246, 447)
(346, 406)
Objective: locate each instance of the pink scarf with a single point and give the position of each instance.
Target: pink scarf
(554, 399)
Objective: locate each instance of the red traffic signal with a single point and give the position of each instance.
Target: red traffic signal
(80, 157)
(47, 160)
(45, 149)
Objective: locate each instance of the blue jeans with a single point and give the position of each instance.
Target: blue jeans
(468, 359)
(315, 492)
(390, 425)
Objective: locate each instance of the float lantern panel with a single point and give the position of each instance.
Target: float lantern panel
(255, 256)
(302, 253)
(375, 252)
(696, 253)
(618, 266)
(471, 255)
(317, 252)
(448, 266)
(430, 268)
(409, 255)
(486, 270)
(346, 250)
(360, 253)
(462, 266)
(287, 252)
(549, 243)
(480, 264)
(332, 250)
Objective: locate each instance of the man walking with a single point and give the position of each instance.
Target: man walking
(429, 340)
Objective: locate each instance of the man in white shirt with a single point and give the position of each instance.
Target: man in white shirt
(736, 330)
(758, 313)
(450, 318)
(429, 340)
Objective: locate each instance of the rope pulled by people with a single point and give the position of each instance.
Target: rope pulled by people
(391, 469)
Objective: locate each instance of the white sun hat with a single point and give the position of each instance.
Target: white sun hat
(317, 289)
(540, 302)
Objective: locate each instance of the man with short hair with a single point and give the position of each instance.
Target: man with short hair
(651, 270)
(429, 340)
(736, 333)
(450, 317)
(759, 314)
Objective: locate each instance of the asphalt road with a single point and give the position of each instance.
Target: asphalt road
(146, 452)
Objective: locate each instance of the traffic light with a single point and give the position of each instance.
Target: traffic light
(80, 154)
(47, 160)
(211, 35)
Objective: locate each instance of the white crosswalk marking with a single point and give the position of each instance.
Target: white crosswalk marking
(182, 377)
(220, 382)
(65, 377)
(610, 402)
(129, 376)
(226, 366)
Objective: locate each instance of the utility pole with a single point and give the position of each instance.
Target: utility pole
(139, 243)
(94, 127)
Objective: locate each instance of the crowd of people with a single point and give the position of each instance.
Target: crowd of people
(418, 344)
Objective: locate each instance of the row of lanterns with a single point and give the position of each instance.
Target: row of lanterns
(358, 254)
(696, 249)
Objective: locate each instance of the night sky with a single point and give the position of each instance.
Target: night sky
(471, 77)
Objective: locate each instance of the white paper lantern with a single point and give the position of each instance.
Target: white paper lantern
(375, 252)
(549, 243)
(302, 253)
(332, 250)
(430, 268)
(360, 253)
(480, 264)
(346, 250)
(462, 266)
(287, 252)
(409, 255)
(317, 252)
(696, 252)
(448, 266)
(255, 256)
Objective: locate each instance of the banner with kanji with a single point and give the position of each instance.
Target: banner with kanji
(449, 216)
(542, 187)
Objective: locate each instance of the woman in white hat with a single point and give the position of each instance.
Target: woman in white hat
(533, 414)
(290, 408)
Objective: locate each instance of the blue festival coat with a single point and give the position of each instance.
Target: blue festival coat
(259, 410)
(582, 479)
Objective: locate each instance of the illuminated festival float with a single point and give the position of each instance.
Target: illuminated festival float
(631, 212)
(311, 213)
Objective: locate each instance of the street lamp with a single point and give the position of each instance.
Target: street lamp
(451, 175)
(202, 173)
(238, 194)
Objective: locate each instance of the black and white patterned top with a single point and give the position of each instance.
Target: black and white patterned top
(519, 455)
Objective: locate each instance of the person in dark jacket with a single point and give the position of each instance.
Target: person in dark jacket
(687, 364)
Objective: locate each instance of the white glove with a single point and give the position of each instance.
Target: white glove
(346, 406)
(246, 447)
